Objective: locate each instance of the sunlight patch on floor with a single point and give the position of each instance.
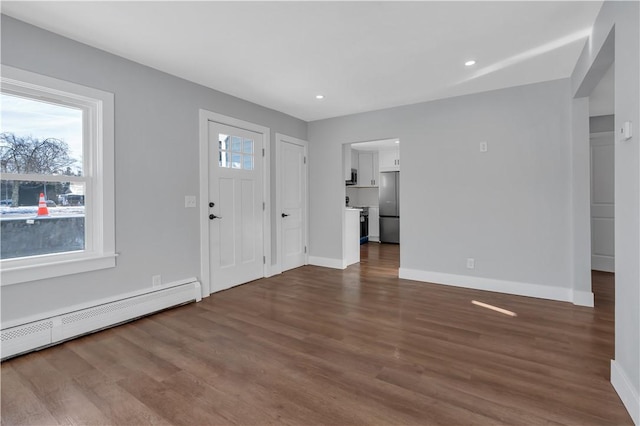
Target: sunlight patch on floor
(494, 308)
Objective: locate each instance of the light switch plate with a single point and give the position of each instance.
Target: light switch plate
(189, 201)
(483, 147)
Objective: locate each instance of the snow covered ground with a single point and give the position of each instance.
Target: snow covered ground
(29, 212)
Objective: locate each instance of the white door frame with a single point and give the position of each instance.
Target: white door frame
(205, 118)
(280, 139)
(601, 261)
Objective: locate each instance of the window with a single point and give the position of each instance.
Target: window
(235, 152)
(56, 191)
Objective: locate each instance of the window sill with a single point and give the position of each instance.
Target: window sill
(56, 268)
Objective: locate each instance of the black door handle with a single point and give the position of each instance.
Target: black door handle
(213, 216)
(284, 215)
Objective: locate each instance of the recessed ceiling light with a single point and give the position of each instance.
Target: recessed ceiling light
(469, 63)
(319, 96)
(397, 141)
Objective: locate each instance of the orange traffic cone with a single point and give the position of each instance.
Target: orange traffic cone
(42, 206)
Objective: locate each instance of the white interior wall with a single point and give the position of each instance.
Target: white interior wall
(601, 99)
(156, 158)
(507, 208)
(616, 33)
(580, 203)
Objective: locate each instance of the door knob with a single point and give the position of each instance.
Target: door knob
(284, 215)
(213, 216)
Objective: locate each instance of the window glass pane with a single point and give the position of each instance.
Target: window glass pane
(224, 159)
(248, 162)
(39, 137)
(30, 229)
(248, 146)
(236, 144)
(236, 161)
(223, 142)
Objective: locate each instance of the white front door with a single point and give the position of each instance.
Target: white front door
(602, 201)
(293, 169)
(235, 206)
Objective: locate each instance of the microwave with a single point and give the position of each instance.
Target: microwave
(354, 178)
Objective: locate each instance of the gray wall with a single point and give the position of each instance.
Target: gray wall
(620, 21)
(156, 162)
(508, 208)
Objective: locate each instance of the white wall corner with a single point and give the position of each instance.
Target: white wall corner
(327, 262)
(628, 394)
(488, 284)
(583, 298)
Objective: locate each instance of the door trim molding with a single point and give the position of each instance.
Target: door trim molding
(205, 117)
(281, 138)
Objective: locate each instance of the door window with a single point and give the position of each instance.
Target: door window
(235, 152)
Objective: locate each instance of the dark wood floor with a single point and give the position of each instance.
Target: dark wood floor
(322, 346)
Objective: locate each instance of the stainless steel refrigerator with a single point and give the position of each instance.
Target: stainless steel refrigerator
(389, 207)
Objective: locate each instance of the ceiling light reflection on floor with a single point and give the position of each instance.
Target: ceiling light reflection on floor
(494, 308)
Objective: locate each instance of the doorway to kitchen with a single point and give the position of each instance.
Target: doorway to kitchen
(372, 188)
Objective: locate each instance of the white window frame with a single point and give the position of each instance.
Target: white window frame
(98, 176)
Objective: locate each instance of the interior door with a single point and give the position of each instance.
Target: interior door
(294, 204)
(602, 201)
(235, 206)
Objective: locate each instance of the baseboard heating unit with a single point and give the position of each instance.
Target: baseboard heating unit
(55, 329)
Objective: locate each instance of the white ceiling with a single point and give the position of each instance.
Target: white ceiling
(361, 56)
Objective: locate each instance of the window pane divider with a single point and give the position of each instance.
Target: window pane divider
(29, 177)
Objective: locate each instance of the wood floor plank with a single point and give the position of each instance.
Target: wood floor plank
(20, 405)
(119, 406)
(341, 347)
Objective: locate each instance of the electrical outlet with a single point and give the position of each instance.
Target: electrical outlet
(471, 263)
(484, 147)
(189, 201)
(156, 280)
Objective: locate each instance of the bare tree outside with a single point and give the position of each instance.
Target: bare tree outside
(29, 155)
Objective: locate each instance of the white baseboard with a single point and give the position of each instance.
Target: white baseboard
(629, 396)
(26, 335)
(327, 262)
(583, 298)
(488, 284)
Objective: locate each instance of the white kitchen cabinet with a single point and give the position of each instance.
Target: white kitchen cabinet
(374, 224)
(368, 168)
(390, 160)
